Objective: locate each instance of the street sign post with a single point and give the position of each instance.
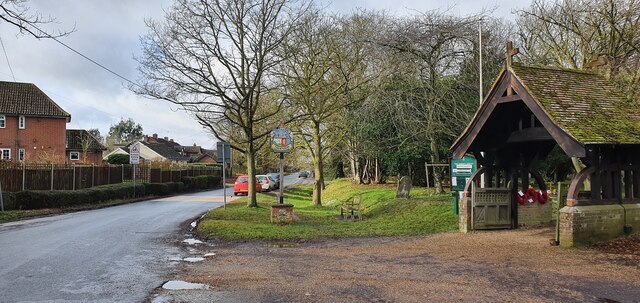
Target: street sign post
(281, 142)
(223, 155)
(134, 153)
(134, 159)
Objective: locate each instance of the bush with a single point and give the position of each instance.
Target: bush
(36, 199)
(175, 187)
(157, 189)
(202, 182)
(9, 200)
(118, 159)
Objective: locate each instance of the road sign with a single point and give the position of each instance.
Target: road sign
(134, 153)
(223, 152)
(281, 140)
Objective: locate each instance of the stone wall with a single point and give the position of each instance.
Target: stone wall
(535, 214)
(585, 225)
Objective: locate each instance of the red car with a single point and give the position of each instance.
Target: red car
(242, 185)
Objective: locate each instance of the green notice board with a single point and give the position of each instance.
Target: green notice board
(461, 172)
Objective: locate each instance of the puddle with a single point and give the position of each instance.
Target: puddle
(193, 224)
(192, 241)
(180, 285)
(194, 259)
(209, 255)
(160, 299)
(282, 244)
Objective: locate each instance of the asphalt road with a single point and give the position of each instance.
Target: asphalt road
(116, 254)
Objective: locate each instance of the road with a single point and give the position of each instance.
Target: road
(115, 254)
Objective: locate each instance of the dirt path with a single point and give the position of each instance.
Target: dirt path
(494, 266)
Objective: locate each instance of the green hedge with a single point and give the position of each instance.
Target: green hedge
(202, 182)
(36, 199)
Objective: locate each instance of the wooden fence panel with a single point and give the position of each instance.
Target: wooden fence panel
(16, 177)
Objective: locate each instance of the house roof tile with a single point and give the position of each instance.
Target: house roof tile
(27, 99)
(77, 137)
(583, 104)
(165, 149)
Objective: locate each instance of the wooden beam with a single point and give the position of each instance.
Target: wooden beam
(462, 145)
(507, 99)
(569, 145)
(530, 134)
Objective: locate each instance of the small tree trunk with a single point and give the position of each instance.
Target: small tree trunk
(251, 172)
(318, 173)
(355, 169)
(435, 158)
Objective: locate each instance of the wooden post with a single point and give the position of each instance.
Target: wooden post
(93, 175)
(122, 180)
(24, 175)
(51, 176)
(74, 178)
(426, 169)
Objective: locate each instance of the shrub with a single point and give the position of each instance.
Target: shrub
(158, 189)
(36, 199)
(175, 187)
(118, 159)
(202, 182)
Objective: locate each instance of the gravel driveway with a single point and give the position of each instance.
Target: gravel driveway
(490, 266)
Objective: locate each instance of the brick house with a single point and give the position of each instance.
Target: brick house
(83, 148)
(32, 126)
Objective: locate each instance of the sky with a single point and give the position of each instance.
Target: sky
(109, 32)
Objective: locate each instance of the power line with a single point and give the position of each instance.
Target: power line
(7, 57)
(86, 57)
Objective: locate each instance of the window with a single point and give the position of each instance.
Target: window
(3, 121)
(21, 122)
(21, 154)
(74, 156)
(6, 153)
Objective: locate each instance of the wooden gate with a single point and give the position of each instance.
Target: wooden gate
(491, 208)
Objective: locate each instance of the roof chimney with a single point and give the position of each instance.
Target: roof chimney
(166, 138)
(155, 136)
(194, 144)
(170, 140)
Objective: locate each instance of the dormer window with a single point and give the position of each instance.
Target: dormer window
(21, 122)
(3, 121)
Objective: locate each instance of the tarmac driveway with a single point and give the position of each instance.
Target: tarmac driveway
(491, 266)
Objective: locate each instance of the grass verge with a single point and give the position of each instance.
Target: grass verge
(384, 215)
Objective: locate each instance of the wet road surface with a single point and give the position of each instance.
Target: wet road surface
(115, 254)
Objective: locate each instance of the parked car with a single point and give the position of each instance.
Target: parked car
(267, 182)
(242, 185)
(276, 178)
(303, 174)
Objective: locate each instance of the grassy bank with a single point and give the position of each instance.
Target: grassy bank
(424, 213)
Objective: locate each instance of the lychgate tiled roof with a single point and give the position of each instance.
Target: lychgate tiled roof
(28, 100)
(76, 138)
(583, 104)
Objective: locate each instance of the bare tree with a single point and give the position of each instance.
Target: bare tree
(17, 13)
(436, 45)
(586, 33)
(213, 58)
(324, 68)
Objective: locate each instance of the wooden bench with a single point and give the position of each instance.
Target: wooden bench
(352, 207)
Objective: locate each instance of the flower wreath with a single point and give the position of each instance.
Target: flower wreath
(532, 196)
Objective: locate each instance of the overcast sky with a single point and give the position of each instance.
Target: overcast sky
(109, 31)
